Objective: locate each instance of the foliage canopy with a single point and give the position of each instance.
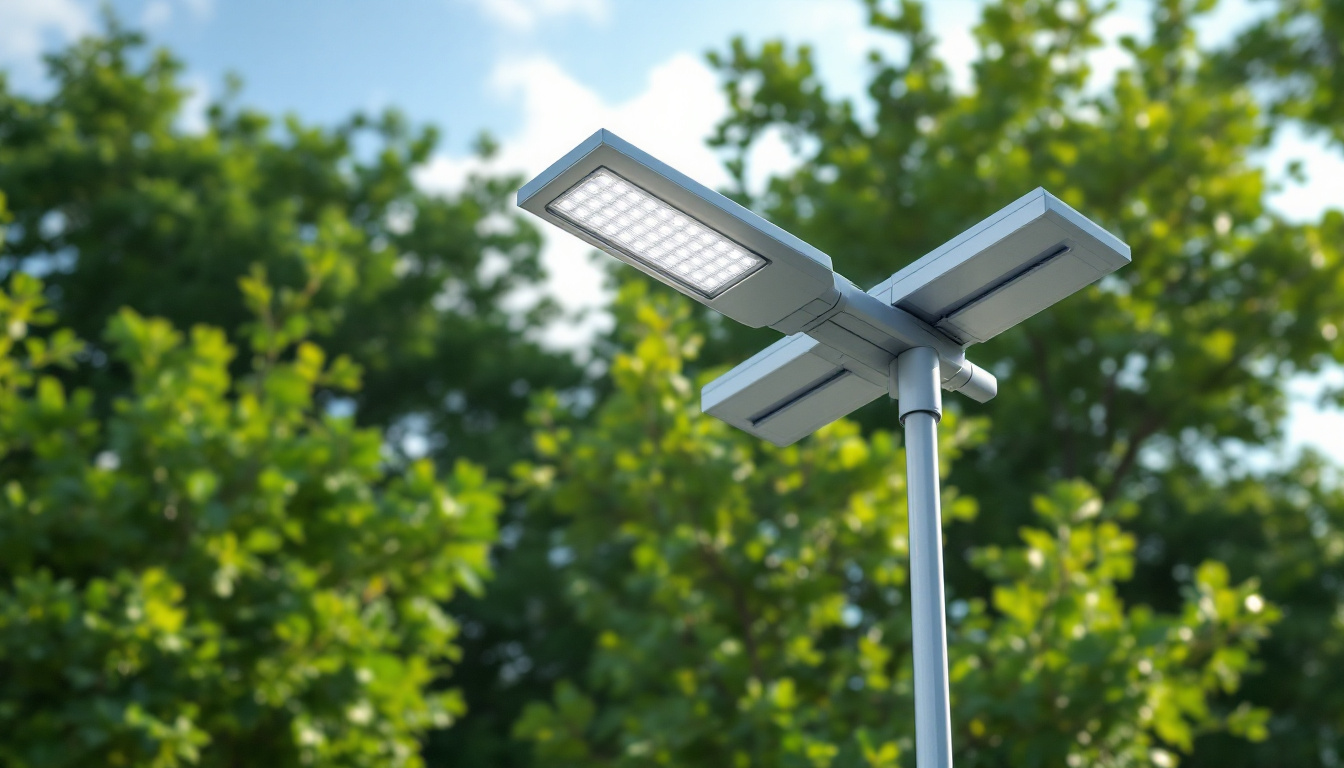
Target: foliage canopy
(216, 571)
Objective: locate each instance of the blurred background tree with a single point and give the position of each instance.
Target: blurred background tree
(116, 203)
(215, 573)
(1120, 538)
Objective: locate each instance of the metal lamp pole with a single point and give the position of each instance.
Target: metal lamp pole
(915, 382)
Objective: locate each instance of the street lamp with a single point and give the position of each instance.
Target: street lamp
(843, 347)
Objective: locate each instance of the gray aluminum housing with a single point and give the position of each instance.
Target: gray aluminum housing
(789, 390)
(793, 289)
(1001, 271)
(1028, 256)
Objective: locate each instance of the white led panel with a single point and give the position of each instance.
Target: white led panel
(647, 229)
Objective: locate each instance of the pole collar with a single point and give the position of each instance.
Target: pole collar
(914, 381)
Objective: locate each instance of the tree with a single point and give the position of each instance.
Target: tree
(216, 573)
(748, 602)
(117, 204)
(1156, 385)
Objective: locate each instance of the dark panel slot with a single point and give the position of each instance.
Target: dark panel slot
(1008, 279)
(802, 394)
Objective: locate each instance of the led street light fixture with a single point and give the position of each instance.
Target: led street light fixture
(620, 199)
(1031, 254)
(841, 341)
(655, 233)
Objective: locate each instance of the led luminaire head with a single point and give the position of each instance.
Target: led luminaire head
(624, 201)
(1029, 255)
(655, 233)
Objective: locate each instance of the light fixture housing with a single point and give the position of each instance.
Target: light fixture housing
(791, 389)
(841, 341)
(784, 283)
(1024, 258)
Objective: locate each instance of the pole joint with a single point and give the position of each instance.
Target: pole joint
(913, 380)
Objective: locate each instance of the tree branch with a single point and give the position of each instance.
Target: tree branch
(744, 615)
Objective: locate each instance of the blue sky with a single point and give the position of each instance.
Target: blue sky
(542, 74)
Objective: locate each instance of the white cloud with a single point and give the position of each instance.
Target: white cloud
(158, 13)
(28, 27)
(1322, 165)
(525, 14)
(677, 109)
(670, 119)
(1310, 424)
(193, 118)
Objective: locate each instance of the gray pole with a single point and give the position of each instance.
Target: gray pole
(914, 375)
